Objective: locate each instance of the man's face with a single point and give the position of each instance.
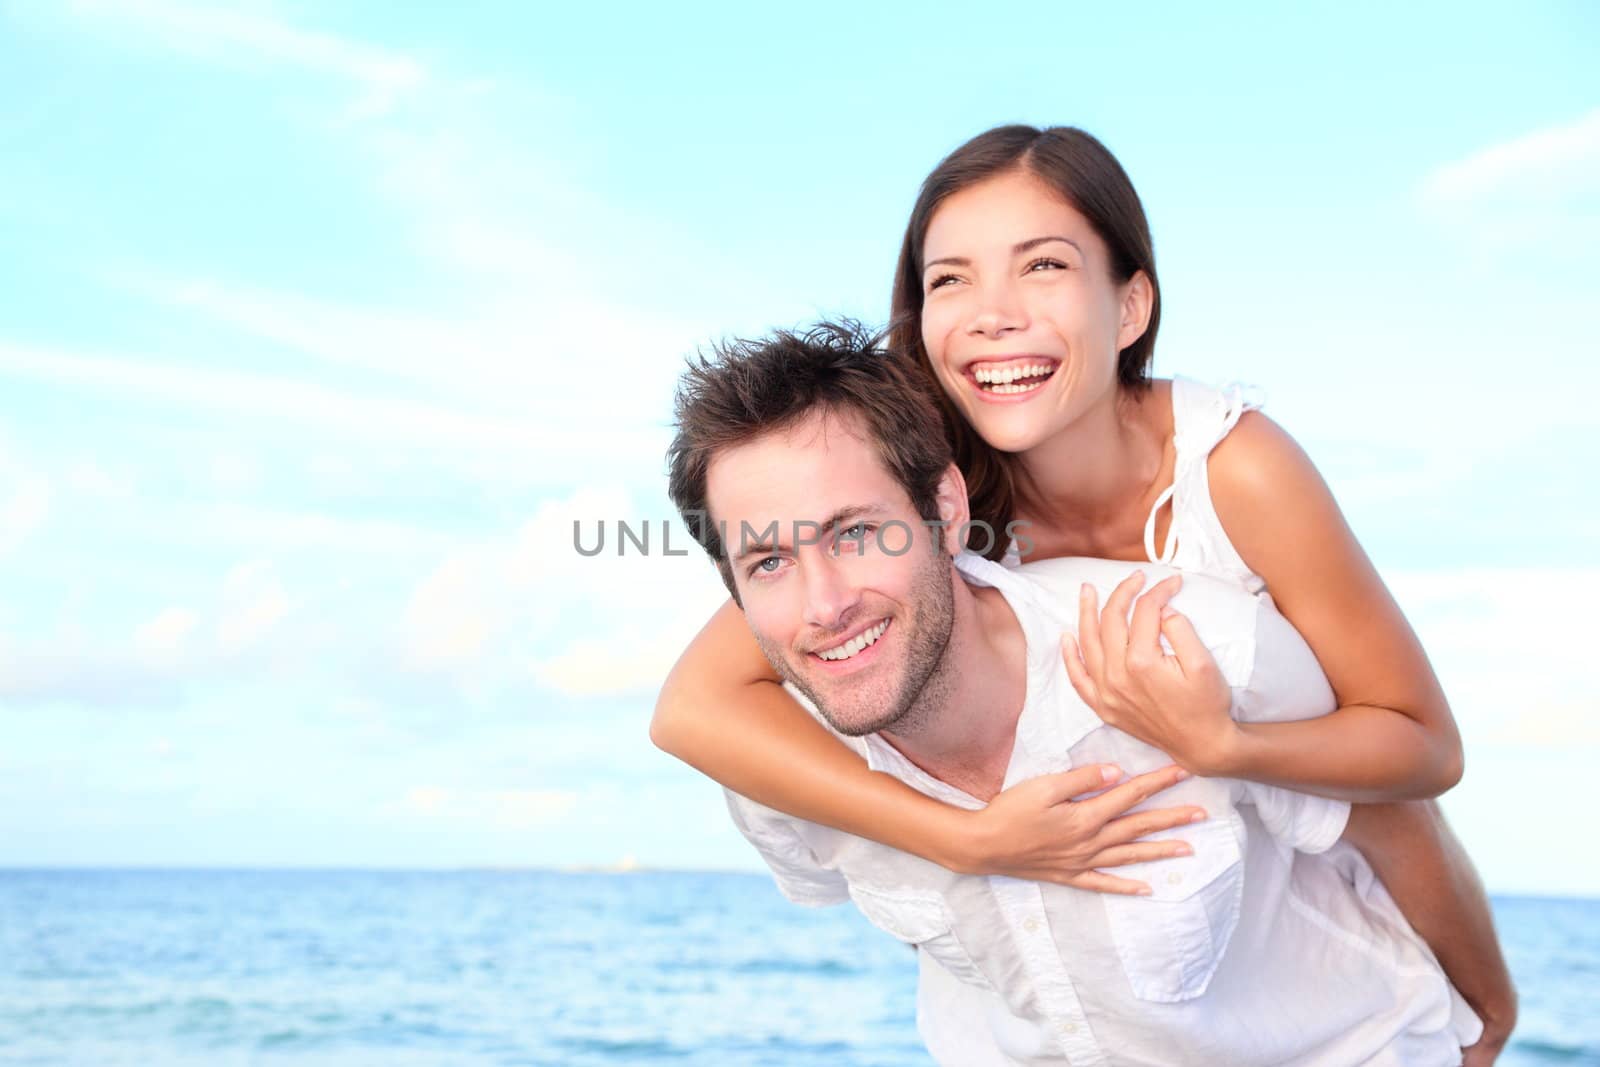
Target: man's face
(851, 596)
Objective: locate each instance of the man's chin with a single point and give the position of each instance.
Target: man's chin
(869, 707)
(859, 721)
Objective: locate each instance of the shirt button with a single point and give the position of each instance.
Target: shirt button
(1069, 1028)
(1032, 925)
(1174, 879)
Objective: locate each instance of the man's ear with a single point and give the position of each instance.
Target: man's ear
(954, 510)
(1137, 300)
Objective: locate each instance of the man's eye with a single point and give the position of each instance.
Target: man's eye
(854, 538)
(761, 565)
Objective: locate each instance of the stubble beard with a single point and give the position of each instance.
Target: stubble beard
(925, 683)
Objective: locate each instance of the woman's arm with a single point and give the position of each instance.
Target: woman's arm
(1392, 736)
(723, 712)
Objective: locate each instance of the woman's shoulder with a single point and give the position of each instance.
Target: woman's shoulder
(1259, 471)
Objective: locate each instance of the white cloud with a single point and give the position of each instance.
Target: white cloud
(508, 809)
(232, 35)
(514, 352)
(256, 526)
(92, 478)
(1513, 649)
(607, 624)
(459, 615)
(1541, 185)
(253, 603)
(1551, 158)
(382, 420)
(163, 641)
(24, 506)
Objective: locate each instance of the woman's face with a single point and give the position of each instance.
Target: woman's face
(1021, 316)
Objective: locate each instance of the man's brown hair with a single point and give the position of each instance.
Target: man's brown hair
(744, 389)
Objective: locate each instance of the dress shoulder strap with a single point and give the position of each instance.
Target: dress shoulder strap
(1201, 417)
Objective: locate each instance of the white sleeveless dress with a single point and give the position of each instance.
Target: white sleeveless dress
(1202, 415)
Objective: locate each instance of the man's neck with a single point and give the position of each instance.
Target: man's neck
(964, 738)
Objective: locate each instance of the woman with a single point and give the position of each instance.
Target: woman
(1027, 292)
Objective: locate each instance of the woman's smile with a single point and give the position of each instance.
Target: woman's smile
(1009, 379)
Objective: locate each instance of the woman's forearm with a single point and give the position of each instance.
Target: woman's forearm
(759, 743)
(1359, 752)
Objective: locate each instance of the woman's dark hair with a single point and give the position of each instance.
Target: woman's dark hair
(1086, 175)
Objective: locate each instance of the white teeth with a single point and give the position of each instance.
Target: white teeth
(1001, 376)
(856, 644)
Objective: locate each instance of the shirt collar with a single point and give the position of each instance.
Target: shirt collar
(1053, 718)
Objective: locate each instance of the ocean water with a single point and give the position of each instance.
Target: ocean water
(488, 967)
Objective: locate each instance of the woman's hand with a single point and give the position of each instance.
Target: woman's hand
(1036, 830)
(1178, 703)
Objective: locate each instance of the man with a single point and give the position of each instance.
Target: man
(1271, 944)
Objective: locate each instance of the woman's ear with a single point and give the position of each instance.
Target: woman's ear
(1137, 299)
(954, 509)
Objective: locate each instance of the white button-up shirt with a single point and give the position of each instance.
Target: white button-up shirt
(1271, 945)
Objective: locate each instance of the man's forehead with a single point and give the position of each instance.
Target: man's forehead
(804, 472)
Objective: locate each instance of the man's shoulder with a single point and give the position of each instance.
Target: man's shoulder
(1223, 613)
(1065, 575)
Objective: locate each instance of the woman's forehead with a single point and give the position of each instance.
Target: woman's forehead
(1004, 210)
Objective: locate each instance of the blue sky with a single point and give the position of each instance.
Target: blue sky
(320, 323)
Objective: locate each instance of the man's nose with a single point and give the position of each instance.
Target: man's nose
(999, 311)
(830, 594)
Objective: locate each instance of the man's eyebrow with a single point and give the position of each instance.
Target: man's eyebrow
(843, 516)
(1016, 250)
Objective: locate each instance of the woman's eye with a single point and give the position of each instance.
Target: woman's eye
(940, 280)
(1046, 264)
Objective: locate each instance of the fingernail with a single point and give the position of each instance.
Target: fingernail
(1181, 775)
(1143, 891)
(1182, 850)
(1083, 590)
(1109, 774)
(1198, 816)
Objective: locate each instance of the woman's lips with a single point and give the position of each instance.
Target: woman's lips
(1008, 380)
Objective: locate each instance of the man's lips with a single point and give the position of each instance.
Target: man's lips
(849, 650)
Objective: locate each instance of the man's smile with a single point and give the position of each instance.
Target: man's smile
(854, 649)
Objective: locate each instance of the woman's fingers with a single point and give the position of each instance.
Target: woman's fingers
(1136, 790)
(1144, 632)
(1128, 828)
(1077, 673)
(1114, 626)
(1141, 852)
(1192, 653)
(1089, 630)
(1080, 781)
(1098, 882)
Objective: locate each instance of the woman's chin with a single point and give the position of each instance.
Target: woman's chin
(1010, 438)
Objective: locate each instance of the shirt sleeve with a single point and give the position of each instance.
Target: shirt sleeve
(800, 875)
(1287, 684)
(1303, 822)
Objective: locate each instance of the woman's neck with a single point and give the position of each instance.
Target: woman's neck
(1101, 473)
